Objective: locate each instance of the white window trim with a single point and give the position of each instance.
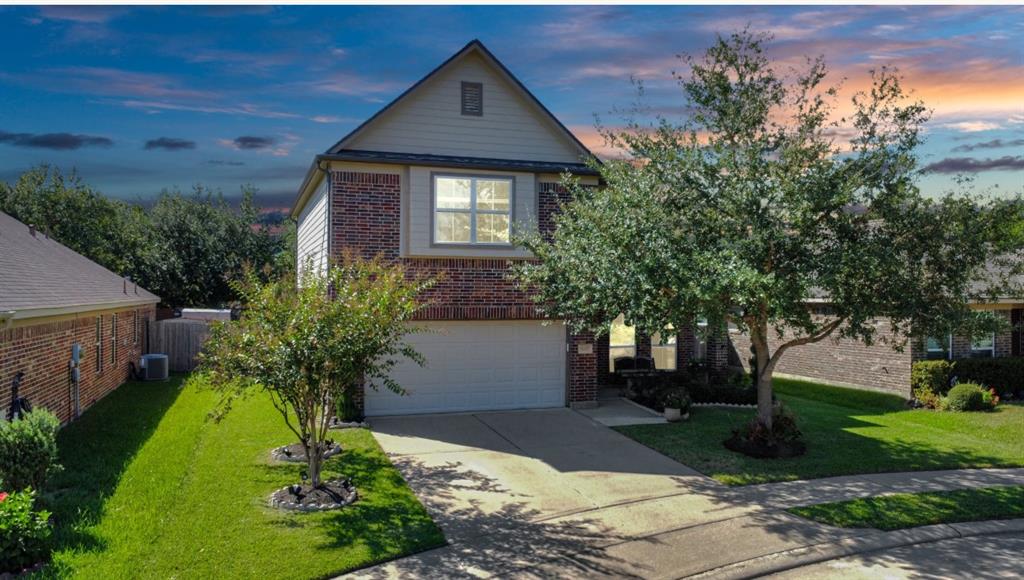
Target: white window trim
(473, 211)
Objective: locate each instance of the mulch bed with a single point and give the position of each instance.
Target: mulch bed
(296, 453)
(762, 450)
(331, 495)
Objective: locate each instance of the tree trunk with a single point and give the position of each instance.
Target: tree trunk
(763, 373)
(313, 461)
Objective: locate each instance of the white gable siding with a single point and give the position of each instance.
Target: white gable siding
(312, 232)
(430, 121)
(420, 204)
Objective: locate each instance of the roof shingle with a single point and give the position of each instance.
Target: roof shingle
(38, 273)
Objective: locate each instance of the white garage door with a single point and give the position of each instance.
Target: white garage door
(479, 366)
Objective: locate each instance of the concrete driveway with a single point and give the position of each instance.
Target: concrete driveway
(476, 471)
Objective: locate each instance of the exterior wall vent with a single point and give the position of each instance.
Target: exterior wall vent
(472, 99)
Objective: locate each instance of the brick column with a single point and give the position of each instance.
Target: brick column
(1017, 319)
(601, 350)
(582, 368)
(643, 345)
(365, 213)
(686, 342)
(718, 351)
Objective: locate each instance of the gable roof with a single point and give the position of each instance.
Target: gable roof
(42, 277)
(340, 152)
(474, 46)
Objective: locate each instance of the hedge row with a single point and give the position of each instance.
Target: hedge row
(1005, 375)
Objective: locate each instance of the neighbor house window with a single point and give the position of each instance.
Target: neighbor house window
(113, 339)
(99, 344)
(472, 210)
(938, 348)
(984, 346)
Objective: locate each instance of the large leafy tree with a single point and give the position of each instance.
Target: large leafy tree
(752, 206)
(307, 346)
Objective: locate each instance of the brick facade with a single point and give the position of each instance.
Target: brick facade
(844, 361)
(877, 367)
(365, 218)
(43, 351)
(582, 371)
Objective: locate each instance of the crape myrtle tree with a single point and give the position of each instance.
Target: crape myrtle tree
(308, 346)
(752, 207)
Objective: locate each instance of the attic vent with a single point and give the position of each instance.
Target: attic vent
(472, 99)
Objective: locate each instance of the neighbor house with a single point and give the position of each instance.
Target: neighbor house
(55, 303)
(880, 367)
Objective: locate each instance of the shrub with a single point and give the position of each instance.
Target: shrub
(1005, 375)
(28, 449)
(990, 399)
(731, 393)
(24, 534)
(677, 399)
(929, 380)
(965, 397)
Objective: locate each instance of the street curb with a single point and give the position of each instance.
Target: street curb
(871, 542)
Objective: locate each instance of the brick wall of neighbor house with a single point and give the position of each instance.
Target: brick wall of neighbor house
(845, 362)
(366, 219)
(43, 350)
(1004, 341)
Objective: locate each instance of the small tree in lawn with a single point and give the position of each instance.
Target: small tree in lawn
(750, 208)
(311, 345)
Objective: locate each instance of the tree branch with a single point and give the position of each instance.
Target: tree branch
(810, 339)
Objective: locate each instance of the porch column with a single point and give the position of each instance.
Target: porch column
(582, 365)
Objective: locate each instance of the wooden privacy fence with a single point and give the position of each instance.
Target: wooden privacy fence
(180, 339)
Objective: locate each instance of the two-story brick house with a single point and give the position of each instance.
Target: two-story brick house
(438, 180)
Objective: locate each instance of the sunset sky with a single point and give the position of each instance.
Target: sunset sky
(142, 99)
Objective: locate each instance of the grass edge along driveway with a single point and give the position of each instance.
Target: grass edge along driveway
(910, 510)
(848, 431)
(151, 488)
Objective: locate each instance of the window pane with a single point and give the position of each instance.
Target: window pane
(983, 343)
(620, 334)
(492, 228)
(452, 193)
(935, 344)
(451, 226)
(493, 195)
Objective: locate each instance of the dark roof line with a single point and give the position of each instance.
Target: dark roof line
(457, 161)
(475, 43)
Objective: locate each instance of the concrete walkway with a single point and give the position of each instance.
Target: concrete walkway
(554, 493)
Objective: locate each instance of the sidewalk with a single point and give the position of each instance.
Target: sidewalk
(708, 529)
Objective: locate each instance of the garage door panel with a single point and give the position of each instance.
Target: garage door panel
(479, 366)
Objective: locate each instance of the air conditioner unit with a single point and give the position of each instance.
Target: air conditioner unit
(154, 367)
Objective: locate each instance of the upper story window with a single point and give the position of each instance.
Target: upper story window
(472, 210)
(472, 99)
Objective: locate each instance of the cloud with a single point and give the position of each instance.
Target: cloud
(346, 84)
(969, 165)
(225, 163)
(972, 126)
(245, 109)
(250, 142)
(55, 141)
(169, 144)
(993, 144)
(326, 119)
(80, 14)
(114, 82)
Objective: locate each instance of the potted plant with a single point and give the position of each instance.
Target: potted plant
(677, 405)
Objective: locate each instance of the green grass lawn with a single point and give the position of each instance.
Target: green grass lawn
(909, 510)
(847, 431)
(151, 489)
